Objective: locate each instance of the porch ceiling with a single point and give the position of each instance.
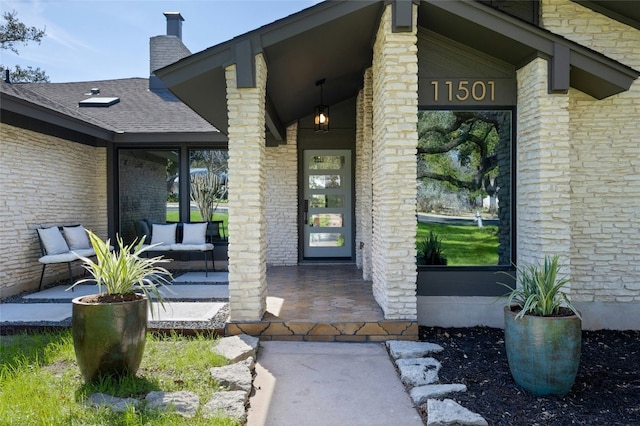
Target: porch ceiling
(333, 40)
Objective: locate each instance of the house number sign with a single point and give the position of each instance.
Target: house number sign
(462, 91)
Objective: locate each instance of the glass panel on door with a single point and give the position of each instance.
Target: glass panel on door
(328, 211)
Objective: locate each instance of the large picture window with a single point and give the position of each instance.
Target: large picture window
(465, 187)
(149, 182)
(146, 187)
(207, 184)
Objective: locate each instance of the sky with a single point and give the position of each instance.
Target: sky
(88, 40)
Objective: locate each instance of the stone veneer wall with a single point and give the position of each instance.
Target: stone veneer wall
(247, 181)
(605, 167)
(143, 190)
(282, 200)
(543, 167)
(395, 140)
(364, 195)
(52, 182)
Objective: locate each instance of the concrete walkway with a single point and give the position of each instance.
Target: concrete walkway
(319, 384)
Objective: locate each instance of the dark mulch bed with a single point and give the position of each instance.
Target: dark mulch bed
(606, 390)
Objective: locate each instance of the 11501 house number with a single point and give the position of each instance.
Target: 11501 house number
(464, 90)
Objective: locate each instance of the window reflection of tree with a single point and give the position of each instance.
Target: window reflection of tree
(464, 158)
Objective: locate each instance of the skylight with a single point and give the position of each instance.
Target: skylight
(99, 102)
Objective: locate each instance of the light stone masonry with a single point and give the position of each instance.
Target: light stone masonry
(543, 199)
(604, 161)
(364, 201)
(70, 190)
(247, 187)
(282, 200)
(395, 139)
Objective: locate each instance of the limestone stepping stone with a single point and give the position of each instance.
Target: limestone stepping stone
(232, 404)
(237, 348)
(116, 404)
(448, 412)
(421, 394)
(182, 403)
(418, 371)
(401, 349)
(234, 376)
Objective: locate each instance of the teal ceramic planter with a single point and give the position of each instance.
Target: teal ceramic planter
(543, 352)
(109, 338)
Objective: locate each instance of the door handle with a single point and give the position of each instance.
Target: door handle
(306, 212)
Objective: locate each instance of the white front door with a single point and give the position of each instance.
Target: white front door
(327, 204)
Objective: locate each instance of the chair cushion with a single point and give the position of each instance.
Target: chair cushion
(192, 247)
(76, 237)
(59, 258)
(194, 233)
(163, 234)
(162, 247)
(53, 241)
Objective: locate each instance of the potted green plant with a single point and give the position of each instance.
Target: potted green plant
(109, 328)
(543, 330)
(430, 251)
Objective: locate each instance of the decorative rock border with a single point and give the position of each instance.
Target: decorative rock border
(419, 372)
(361, 332)
(237, 378)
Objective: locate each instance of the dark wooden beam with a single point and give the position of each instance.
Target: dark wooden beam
(402, 16)
(245, 64)
(274, 124)
(559, 69)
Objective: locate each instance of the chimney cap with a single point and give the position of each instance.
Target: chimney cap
(173, 15)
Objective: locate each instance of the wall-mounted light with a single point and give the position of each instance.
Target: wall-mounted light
(321, 112)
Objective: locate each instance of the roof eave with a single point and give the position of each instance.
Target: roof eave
(47, 115)
(171, 137)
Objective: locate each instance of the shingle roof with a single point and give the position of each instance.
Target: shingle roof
(140, 110)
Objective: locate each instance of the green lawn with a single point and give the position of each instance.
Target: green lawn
(465, 245)
(174, 216)
(40, 383)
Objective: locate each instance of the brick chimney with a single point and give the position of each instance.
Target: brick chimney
(166, 49)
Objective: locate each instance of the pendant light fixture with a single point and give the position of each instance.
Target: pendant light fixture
(321, 112)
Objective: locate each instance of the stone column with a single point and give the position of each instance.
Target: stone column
(395, 140)
(543, 168)
(247, 222)
(282, 200)
(364, 135)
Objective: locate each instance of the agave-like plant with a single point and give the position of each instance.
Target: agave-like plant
(125, 270)
(539, 291)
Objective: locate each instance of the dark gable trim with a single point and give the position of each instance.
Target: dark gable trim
(224, 54)
(591, 72)
(527, 10)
